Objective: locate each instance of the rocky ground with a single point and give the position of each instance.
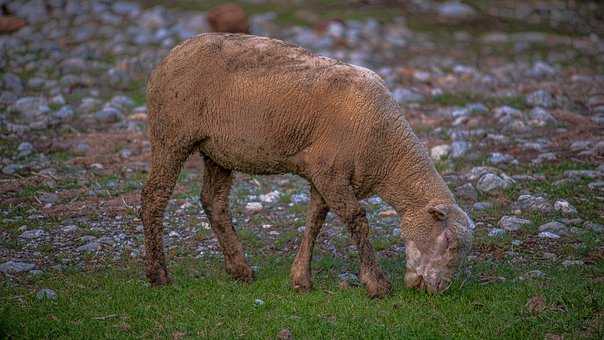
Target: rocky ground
(509, 102)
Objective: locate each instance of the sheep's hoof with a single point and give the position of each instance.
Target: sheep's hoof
(376, 282)
(159, 278)
(241, 272)
(378, 289)
(302, 285)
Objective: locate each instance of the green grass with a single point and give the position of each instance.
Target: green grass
(295, 13)
(204, 302)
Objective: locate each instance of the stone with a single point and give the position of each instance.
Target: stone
(499, 158)
(534, 203)
(491, 182)
(570, 263)
(25, 149)
(32, 234)
(31, 107)
(228, 18)
(64, 113)
(547, 234)
(482, 206)
(541, 98)
(88, 105)
(554, 227)
(80, 149)
(68, 229)
(467, 192)
(598, 149)
(455, 10)
(299, 198)
(596, 227)
(540, 117)
(254, 207)
(48, 198)
(13, 267)
(258, 302)
(440, 151)
(578, 174)
(403, 95)
(108, 115)
(90, 247)
(118, 78)
(512, 223)
(598, 185)
(564, 207)
(46, 294)
(541, 69)
(12, 169)
(13, 83)
(459, 148)
(271, 197)
(496, 232)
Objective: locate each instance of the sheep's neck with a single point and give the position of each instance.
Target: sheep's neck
(412, 181)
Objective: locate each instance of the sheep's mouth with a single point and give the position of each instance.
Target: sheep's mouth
(432, 286)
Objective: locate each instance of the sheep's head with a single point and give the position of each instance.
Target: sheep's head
(433, 259)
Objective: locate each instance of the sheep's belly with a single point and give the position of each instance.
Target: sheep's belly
(248, 157)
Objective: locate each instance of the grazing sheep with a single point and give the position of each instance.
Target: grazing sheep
(263, 106)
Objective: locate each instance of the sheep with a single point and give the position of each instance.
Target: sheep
(263, 106)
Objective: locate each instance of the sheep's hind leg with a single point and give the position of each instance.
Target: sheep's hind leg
(341, 200)
(300, 271)
(165, 167)
(216, 185)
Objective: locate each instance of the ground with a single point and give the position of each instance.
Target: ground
(508, 98)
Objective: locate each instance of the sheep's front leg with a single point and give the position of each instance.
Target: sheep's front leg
(341, 200)
(217, 183)
(300, 271)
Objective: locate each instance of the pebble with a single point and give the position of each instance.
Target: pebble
(540, 98)
(258, 302)
(467, 192)
(565, 207)
(108, 115)
(25, 149)
(89, 247)
(496, 232)
(254, 207)
(482, 206)
(403, 95)
(554, 227)
(570, 263)
(596, 227)
(440, 151)
(547, 234)
(48, 198)
(491, 182)
(512, 223)
(46, 294)
(32, 234)
(459, 148)
(455, 10)
(12, 267)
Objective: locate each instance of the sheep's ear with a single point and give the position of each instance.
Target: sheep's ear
(439, 212)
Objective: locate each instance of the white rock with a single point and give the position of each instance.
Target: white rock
(512, 223)
(254, 207)
(547, 234)
(564, 207)
(440, 151)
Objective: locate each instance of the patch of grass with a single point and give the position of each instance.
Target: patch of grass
(203, 302)
(295, 13)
